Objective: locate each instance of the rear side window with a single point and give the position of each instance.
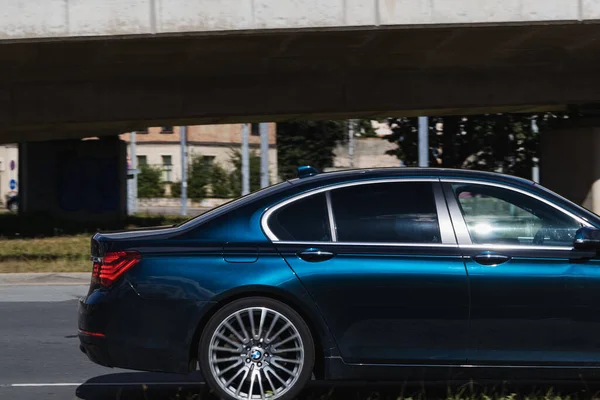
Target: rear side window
(304, 220)
(398, 212)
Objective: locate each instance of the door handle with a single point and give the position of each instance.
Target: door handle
(315, 255)
(490, 259)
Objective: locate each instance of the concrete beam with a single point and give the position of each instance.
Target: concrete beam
(81, 88)
(25, 19)
(112, 106)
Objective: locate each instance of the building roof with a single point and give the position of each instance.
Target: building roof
(200, 134)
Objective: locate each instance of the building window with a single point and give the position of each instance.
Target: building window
(167, 160)
(254, 129)
(142, 161)
(143, 131)
(208, 160)
(167, 167)
(167, 129)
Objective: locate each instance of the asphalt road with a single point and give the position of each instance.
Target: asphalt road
(40, 356)
(40, 359)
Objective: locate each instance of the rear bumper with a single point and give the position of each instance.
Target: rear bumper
(118, 328)
(92, 322)
(94, 348)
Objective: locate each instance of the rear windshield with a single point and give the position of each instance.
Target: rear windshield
(231, 204)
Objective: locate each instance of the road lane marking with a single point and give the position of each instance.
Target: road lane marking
(101, 384)
(42, 384)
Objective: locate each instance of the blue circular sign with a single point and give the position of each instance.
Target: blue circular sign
(13, 184)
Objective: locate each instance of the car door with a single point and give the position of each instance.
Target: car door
(525, 277)
(380, 259)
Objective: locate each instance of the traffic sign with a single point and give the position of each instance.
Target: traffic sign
(12, 165)
(13, 184)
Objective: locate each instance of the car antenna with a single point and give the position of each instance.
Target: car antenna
(305, 171)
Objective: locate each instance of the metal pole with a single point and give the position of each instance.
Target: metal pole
(423, 141)
(245, 161)
(133, 203)
(351, 142)
(535, 168)
(264, 154)
(182, 134)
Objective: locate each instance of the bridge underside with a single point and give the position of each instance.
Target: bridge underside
(90, 87)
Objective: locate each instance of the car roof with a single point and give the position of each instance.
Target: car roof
(376, 173)
(307, 183)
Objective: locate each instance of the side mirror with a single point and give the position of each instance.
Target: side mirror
(587, 239)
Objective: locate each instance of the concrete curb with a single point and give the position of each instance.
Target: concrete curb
(45, 279)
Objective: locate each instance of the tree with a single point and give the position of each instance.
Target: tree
(235, 178)
(150, 183)
(176, 189)
(492, 142)
(307, 143)
(364, 128)
(198, 179)
(219, 182)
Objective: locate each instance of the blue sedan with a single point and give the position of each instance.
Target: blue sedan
(383, 274)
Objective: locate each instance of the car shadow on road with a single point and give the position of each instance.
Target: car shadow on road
(149, 385)
(143, 385)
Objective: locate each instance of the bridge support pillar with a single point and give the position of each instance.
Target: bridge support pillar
(570, 164)
(79, 182)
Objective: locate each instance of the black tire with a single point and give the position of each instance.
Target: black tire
(303, 373)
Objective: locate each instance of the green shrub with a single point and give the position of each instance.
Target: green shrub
(219, 181)
(150, 182)
(236, 175)
(198, 179)
(200, 176)
(176, 190)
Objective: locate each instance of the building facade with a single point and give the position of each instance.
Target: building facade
(368, 153)
(160, 147)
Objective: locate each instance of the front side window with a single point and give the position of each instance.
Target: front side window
(496, 215)
(397, 212)
(304, 220)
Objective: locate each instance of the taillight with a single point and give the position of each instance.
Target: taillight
(113, 265)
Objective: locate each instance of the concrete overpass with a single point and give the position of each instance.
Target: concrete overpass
(74, 68)
(78, 68)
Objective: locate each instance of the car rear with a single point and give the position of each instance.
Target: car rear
(98, 308)
(138, 314)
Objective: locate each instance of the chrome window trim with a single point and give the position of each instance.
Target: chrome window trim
(332, 226)
(378, 244)
(462, 223)
(435, 245)
(513, 247)
(267, 214)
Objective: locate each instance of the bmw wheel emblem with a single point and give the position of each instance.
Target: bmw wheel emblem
(256, 355)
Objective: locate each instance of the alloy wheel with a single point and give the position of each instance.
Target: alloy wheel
(256, 353)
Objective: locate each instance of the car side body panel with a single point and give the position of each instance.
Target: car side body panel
(152, 317)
